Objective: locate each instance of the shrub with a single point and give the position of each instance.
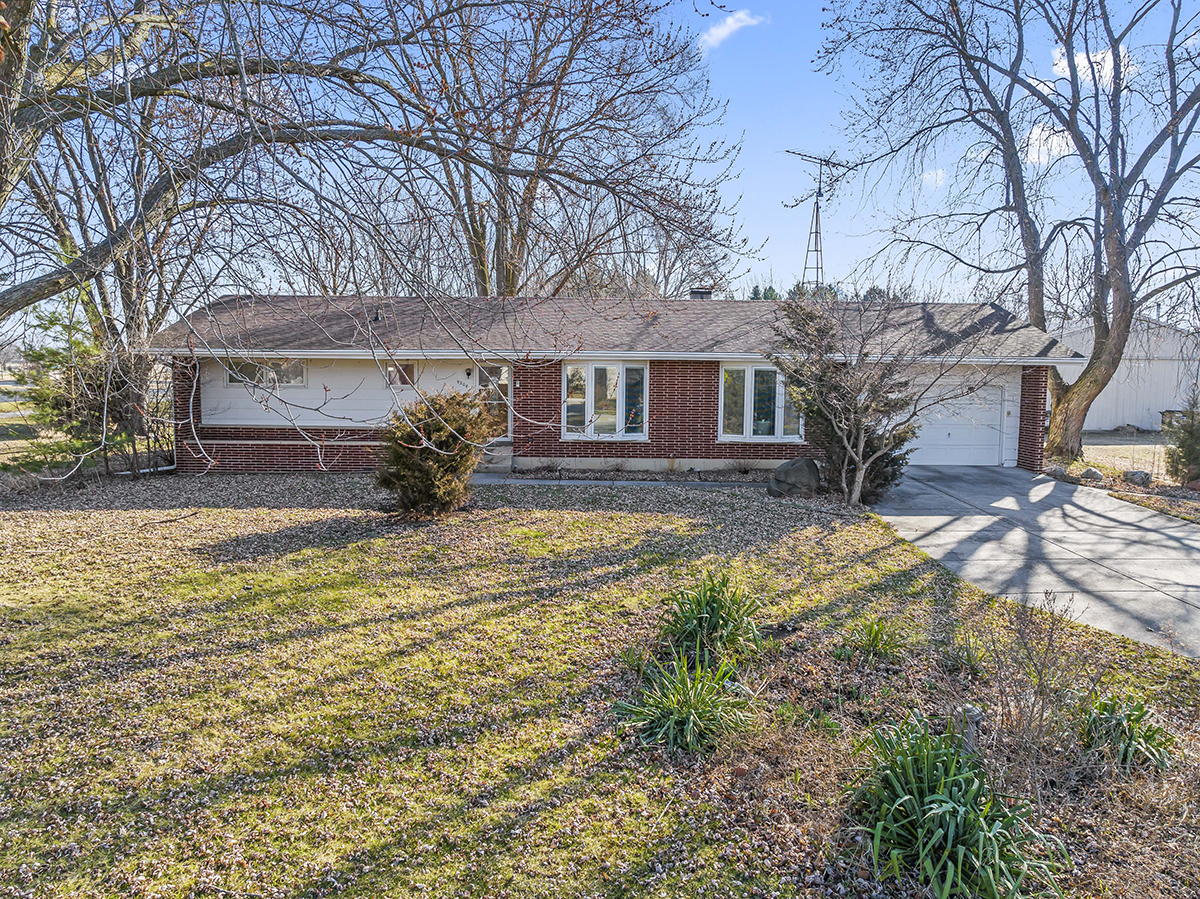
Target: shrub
(686, 705)
(716, 617)
(1039, 673)
(881, 474)
(1183, 441)
(1121, 728)
(876, 638)
(930, 811)
(431, 449)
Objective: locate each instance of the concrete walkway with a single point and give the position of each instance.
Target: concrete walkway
(1131, 571)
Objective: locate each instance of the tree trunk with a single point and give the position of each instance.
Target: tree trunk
(860, 470)
(1072, 402)
(855, 497)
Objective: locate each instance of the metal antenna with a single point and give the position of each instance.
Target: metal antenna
(814, 253)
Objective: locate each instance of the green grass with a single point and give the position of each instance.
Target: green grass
(1187, 509)
(217, 689)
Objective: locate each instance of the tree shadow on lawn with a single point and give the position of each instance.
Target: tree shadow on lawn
(406, 824)
(561, 621)
(519, 584)
(529, 789)
(714, 519)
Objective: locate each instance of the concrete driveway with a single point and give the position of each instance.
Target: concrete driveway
(1131, 571)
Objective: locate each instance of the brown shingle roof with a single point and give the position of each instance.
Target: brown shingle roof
(559, 326)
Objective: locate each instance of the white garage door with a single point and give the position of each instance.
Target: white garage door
(964, 432)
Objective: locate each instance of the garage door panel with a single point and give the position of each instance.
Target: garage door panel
(964, 432)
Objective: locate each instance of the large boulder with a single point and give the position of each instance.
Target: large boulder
(1137, 477)
(1091, 474)
(796, 477)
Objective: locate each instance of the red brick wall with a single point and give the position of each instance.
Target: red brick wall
(681, 418)
(1031, 435)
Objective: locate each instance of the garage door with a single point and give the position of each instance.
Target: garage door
(964, 432)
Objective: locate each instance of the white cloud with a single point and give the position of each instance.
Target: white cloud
(1101, 62)
(1046, 144)
(933, 178)
(734, 22)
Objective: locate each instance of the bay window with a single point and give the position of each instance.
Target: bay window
(755, 405)
(604, 400)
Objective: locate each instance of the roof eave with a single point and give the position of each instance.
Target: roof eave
(437, 355)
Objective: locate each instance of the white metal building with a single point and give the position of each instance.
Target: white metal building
(1160, 366)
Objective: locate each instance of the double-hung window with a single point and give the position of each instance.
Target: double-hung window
(755, 405)
(604, 400)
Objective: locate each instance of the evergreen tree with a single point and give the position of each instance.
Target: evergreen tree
(1183, 441)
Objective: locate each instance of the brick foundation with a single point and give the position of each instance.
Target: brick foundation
(1031, 436)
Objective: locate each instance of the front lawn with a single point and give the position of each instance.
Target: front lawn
(269, 686)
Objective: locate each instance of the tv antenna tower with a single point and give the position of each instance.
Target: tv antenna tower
(814, 253)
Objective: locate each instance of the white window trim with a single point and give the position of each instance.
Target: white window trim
(747, 435)
(231, 381)
(590, 396)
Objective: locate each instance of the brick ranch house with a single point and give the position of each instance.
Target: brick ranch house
(299, 383)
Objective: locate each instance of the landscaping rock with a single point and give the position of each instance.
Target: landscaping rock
(1092, 474)
(1055, 471)
(796, 477)
(1137, 477)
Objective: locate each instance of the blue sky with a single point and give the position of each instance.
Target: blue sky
(764, 69)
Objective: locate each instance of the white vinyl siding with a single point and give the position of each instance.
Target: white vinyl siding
(337, 393)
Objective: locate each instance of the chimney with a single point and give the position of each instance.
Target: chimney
(700, 293)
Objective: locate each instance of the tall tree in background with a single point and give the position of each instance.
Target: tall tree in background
(525, 143)
(73, 198)
(1071, 123)
(611, 94)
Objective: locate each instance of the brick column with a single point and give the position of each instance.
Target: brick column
(1031, 435)
(185, 391)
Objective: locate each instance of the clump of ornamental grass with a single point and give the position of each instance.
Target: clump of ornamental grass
(686, 704)
(930, 812)
(876, 638)
(715, 618)
(1122, 730)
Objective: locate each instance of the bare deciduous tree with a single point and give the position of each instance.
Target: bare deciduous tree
(519, 139)
(1070, 123)
(869, 367)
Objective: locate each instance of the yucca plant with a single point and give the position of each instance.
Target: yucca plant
(930, 812)
(687, 705)
(1122, 729)
(715, 618)
(876, 638)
